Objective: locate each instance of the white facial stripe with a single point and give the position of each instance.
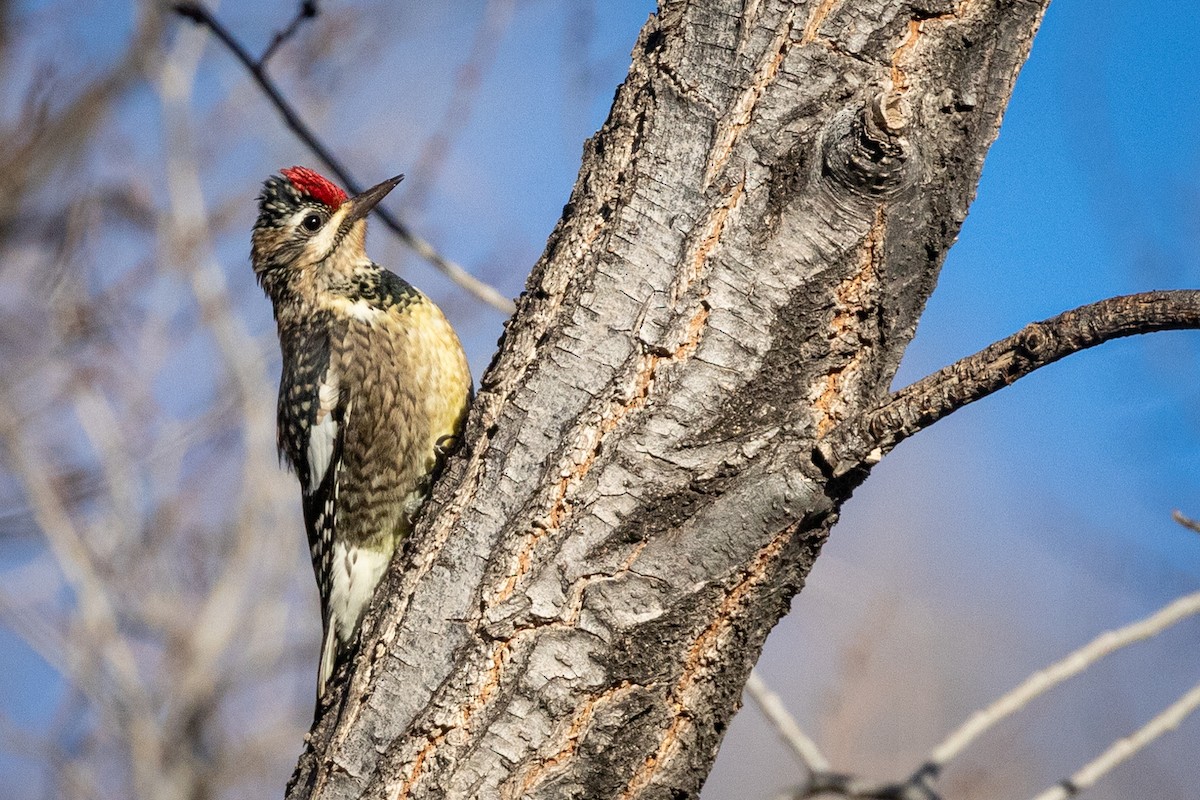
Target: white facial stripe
(318, 247)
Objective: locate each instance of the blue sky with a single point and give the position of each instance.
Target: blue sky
(1091, 190)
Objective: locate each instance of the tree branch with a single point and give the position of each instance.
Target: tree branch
(1186, 521)
(197, 13)
(919, 405)
(307, 10)
(1043, 680)
(772, 707)
(1123, 749)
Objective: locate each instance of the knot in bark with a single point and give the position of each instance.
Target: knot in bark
(864, 148)
(1033, 339)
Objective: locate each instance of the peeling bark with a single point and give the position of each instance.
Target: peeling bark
(680, 404)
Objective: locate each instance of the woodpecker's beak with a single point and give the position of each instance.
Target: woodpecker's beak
(361, 204)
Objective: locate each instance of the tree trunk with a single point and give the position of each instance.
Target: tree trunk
(681, 403)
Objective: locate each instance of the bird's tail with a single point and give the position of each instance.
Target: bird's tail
(355, 574)
(330, 647)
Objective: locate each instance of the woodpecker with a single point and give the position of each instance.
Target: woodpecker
(374, 390)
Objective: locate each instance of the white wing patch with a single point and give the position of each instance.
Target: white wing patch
(323, 432)
(328, 659)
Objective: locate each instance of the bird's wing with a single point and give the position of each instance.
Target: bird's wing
(326, 434)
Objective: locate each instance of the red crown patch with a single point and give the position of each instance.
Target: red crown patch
(315, 186)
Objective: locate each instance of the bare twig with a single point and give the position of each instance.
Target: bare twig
(51, 141)
(785, 724)
(923, 403)
(485, 292)
(307, 10)
(1124, 749)
(850, 788)
(1044, 680)
(24, 615)
(103, 430)
(822, 779)
(1185, 521)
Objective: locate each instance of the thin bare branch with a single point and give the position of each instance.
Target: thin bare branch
(1124, 749)
(822, 784)
(456, 273)
(51, 141)
(785, 724)
(307, 10)
(103, 429)
(1044, 680)
(1185, 521)
(222, 613)
(35, 627)
(923, 403)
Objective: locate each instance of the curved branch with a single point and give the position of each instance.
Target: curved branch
(1185, 521)
(920, 404)
(200, 15)
(1043, 680)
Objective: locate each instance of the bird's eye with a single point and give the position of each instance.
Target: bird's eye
(311, 222)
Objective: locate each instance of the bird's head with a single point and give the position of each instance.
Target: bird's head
(309, 231)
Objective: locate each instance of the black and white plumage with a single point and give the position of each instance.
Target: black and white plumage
(374, 384)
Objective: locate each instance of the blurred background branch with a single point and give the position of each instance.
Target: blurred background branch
(1126, 748)
(151, 552)
(199, 14)
(822, 780)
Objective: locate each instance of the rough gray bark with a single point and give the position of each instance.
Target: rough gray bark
(681, 403)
